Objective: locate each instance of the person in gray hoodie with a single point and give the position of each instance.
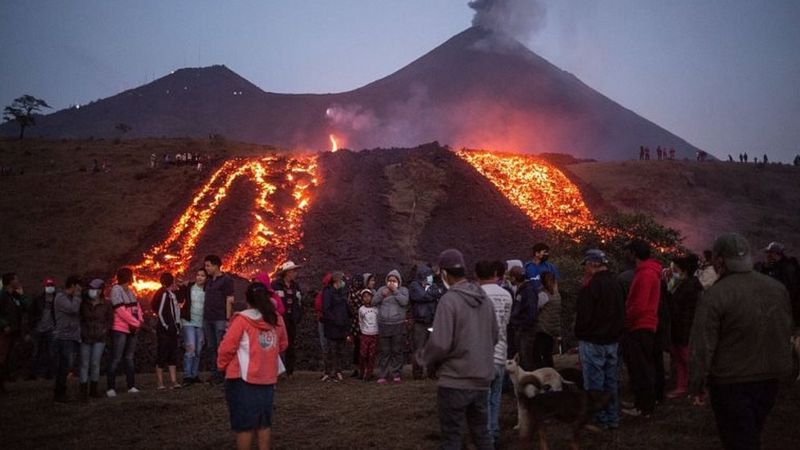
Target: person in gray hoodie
(461, 351)
(67, 333)
(391, 301)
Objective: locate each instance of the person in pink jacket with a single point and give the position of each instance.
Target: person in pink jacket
(248, 355)
(128, 319)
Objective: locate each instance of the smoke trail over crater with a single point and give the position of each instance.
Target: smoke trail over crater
(518, 19)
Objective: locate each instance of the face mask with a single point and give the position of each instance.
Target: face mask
(50, 289)
(93, 293)
(544, 258)
(429, 279)
(392, 284)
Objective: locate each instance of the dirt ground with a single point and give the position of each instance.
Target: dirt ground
(310, 414)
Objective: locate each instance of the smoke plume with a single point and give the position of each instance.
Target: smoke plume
(518, 19)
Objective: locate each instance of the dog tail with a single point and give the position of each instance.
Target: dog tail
(528, 380)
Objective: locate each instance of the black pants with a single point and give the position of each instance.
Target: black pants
(356, 349)
(542, 351)
(65, 356)
(290, 356)
(333, 360)
(639, 355)
(741, 410)
(457, 406)
(525, 340)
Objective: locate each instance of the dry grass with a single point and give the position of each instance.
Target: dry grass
(310, 414)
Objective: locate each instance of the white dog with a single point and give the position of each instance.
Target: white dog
(547, 380)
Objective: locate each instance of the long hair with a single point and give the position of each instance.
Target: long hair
(259, 297)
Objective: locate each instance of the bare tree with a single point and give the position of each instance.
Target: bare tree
(22, 111)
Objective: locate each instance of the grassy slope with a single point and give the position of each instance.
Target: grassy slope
(704, 200)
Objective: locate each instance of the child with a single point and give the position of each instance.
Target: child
(165, 304)
(368, 323)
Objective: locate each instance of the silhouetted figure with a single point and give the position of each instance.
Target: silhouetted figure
(730, 158)
(647, 153)
(641, 152)
(745, 156)
(658, 152)
(672, 153)
(766, 160)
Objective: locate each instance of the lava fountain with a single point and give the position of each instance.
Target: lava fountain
(334, 145)
(274, 231)
(538, 188)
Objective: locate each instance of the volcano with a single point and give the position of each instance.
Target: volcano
(479, 89)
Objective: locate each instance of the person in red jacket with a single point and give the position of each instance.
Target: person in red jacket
(641, 320)
(248, 355)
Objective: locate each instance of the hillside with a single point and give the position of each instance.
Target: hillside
(476, 90)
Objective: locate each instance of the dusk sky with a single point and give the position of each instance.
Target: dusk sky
(723, 74)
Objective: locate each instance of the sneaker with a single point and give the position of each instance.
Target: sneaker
(397, 379)
(133, 390)
(325, 377)
(627, 405)
(676, 394)
(176, 386)
(111, 393)
(339, 376)
(159, 388)
(381, 380)
(634, 412)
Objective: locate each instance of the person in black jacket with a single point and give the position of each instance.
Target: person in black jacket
(288, 289)
(684, 291)
(336, 323)
(423, 294)
(599, 322)
(523, 317)
(165, 305)
(786, 270)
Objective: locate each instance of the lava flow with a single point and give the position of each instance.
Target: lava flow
(275, 229)
(539, 189)
(334, 145)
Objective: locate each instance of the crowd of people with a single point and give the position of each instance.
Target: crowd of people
(725, 325)
(660, 153)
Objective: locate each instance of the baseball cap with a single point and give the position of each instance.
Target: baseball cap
(49, 282)
(97, 283)
(596, 256)
(735, 250)
(451, 259)
(776, 247)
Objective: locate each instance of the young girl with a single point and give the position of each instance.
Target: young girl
(165, 305)
(127, 321)
(368, 324)
(96, 319)
(248, 355)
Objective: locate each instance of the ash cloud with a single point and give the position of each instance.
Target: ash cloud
(517, 19)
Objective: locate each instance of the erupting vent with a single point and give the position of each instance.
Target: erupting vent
(540, 190)
(275, 229)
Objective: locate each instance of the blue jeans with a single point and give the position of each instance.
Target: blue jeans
(495, 394)
(601, 372)
(65, 354)
(193, 341)
(123, 346)
(90, 358)
(457, 406)
(214, 331)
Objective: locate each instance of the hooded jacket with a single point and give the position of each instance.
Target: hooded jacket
(96, 320)
(391, 306)
(741, 332)
(641, 307)
(461, 345)
(68, 318)
(682, 305)
(127, 312)
(165, 305)
(251, 347)
(335, 313)
(525, 307)
(423, 300)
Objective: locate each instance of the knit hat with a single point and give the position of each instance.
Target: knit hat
(451, 259)
(735, 250)
(595, 256)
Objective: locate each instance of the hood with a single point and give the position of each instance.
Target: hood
(472, 294)
(326, 280)
(263, 278)
(650, 265)
(255, 318)
(422, 272)
(366, 278)
(396, 273)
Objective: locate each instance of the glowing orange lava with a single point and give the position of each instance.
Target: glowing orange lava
(539, 189)
(274, 229)
(334, 145)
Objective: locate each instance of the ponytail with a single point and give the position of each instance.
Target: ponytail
(259, 297)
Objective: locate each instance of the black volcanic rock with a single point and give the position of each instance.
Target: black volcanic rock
(477, 90)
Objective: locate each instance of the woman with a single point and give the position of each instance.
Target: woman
(548, 323)
(336, 324)
(168, 329)
(192, 297)
(290, 306)
(249, 355)
(96, 319)
(128, 319)
(684, 293)
(392, 301)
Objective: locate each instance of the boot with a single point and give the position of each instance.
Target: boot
(83, 393)
(93, 390)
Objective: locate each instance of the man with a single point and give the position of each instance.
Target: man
(738, 347)
(42, 322)
(13, 305)
(461, 351)
(787, 271)
(641, 321)
(423, 294)
(522, 322)
(217, 309)
(538, 265)
(67, 334)
(501, 299)
(288, 289)
(599, 323)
